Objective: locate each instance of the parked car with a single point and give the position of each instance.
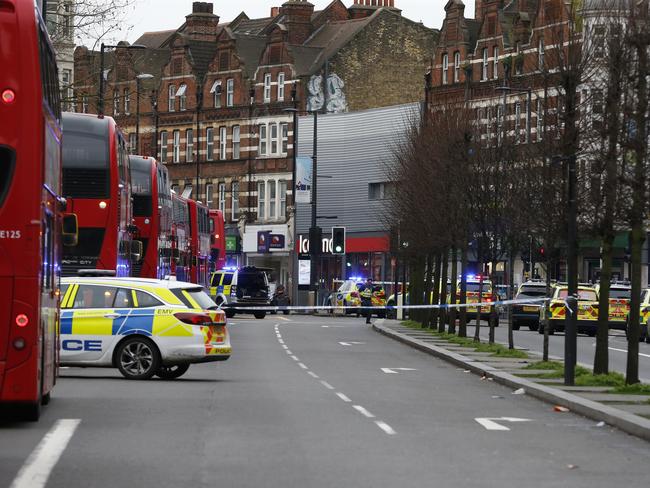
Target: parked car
(555, 309)
(143, 327)
(347, 295)
(620, 293)
(528, 313)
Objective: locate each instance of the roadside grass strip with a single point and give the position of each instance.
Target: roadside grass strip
(497, 350)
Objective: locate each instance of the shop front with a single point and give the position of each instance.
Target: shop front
(267, 246)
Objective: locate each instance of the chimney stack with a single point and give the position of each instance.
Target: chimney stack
(297, 20)
(201, 24)
(275, 11)
(365, 8)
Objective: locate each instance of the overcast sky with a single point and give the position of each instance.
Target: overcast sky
(153, 15)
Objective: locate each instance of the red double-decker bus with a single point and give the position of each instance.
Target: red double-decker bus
(199, 243)
(181, 238)
(152, 214)
(96, 185)
(217, 240)
(30, 208)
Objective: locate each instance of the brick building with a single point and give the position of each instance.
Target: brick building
(515, 44)
(215, 106)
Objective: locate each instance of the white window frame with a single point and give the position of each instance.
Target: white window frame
(267, 87)
(456, 67)
(216, 93)
(540, 53)
(127, 101)
(274, 137)
(284, 137)
(181, 94)
(222, 197)
(163, 146)
(236, 142)
(209, 144)
(495, 63)
(171, 98)
(281, 87)
(176, 147)
(282, 199)
(223, 143)
(133, 143)
(84, 104)
(264, 141)
(517, 121)
(234, 200)
(261, 200)
(209, 193)
(189, 145)
(445, 68)
(485, 65)
(230, 92)
(273, 199)
(527, 110)
(116, 102)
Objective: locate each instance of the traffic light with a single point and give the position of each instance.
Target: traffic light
(338, 240)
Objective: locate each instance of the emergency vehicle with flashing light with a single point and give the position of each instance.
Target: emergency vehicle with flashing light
(473, 296)
(620, 293)
(348, 295)
(143, 327)
(237, 289)
(555, 309)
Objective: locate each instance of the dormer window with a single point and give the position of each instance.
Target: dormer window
(267, 87)
(181, 94)
(445, 68)
(172, 98)
(216, 93)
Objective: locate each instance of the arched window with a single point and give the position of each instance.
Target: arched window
(172, 98)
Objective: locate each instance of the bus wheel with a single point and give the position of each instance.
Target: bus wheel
(138, 358)
(31, 412)
(46, 398)
(172, 372)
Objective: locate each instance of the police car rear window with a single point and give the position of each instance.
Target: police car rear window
(613, 293)
(201, 298)
(532, 291)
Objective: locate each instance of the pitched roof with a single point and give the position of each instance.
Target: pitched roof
(153, 40)
(201, 54)
(253, 26)
(249, 51)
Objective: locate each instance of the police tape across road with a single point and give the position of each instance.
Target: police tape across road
(272, 308)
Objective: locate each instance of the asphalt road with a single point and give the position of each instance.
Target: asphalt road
(304, 403)
(586, 346)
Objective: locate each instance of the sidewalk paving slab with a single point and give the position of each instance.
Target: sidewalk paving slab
(616, 398)
(550, 392)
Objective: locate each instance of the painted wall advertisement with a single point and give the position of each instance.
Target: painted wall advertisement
(303, 179)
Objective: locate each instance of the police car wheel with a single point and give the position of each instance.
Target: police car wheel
(138, 358)
(172, 372)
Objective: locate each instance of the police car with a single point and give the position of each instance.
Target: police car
(620, 293)
(236, 289)
(555, 309)
(348, 295)
(644, 317)
(143, 327)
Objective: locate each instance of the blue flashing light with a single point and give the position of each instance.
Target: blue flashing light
(230, 268)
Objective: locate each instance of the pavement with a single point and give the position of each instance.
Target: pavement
(311, 402)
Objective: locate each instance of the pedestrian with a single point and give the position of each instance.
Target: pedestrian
(365, 293)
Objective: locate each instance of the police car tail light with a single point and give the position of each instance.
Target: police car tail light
(194, 318)
(22, 320)
(354, 294)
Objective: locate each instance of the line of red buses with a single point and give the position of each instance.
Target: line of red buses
(73, 200)
(130, 221)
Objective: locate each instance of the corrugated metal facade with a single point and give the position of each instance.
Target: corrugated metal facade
(354, 150)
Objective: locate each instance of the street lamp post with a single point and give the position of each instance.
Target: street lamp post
(103, 48)
(138, 80)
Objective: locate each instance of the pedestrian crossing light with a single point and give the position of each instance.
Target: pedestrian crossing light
(338, 240)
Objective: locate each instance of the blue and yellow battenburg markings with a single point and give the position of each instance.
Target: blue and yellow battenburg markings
(147, 322)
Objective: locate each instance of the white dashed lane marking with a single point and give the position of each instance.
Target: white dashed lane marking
(363, 411)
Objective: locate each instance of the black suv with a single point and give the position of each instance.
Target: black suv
(528, 314)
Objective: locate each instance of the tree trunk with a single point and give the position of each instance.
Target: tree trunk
(544, 321)
(494, 316)
(454, 292)
(433, 297)
(462, 325)
(427, 312)
(511, 295)
(442, 312)
(416, 282)
(601, 358)
(477, 331)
